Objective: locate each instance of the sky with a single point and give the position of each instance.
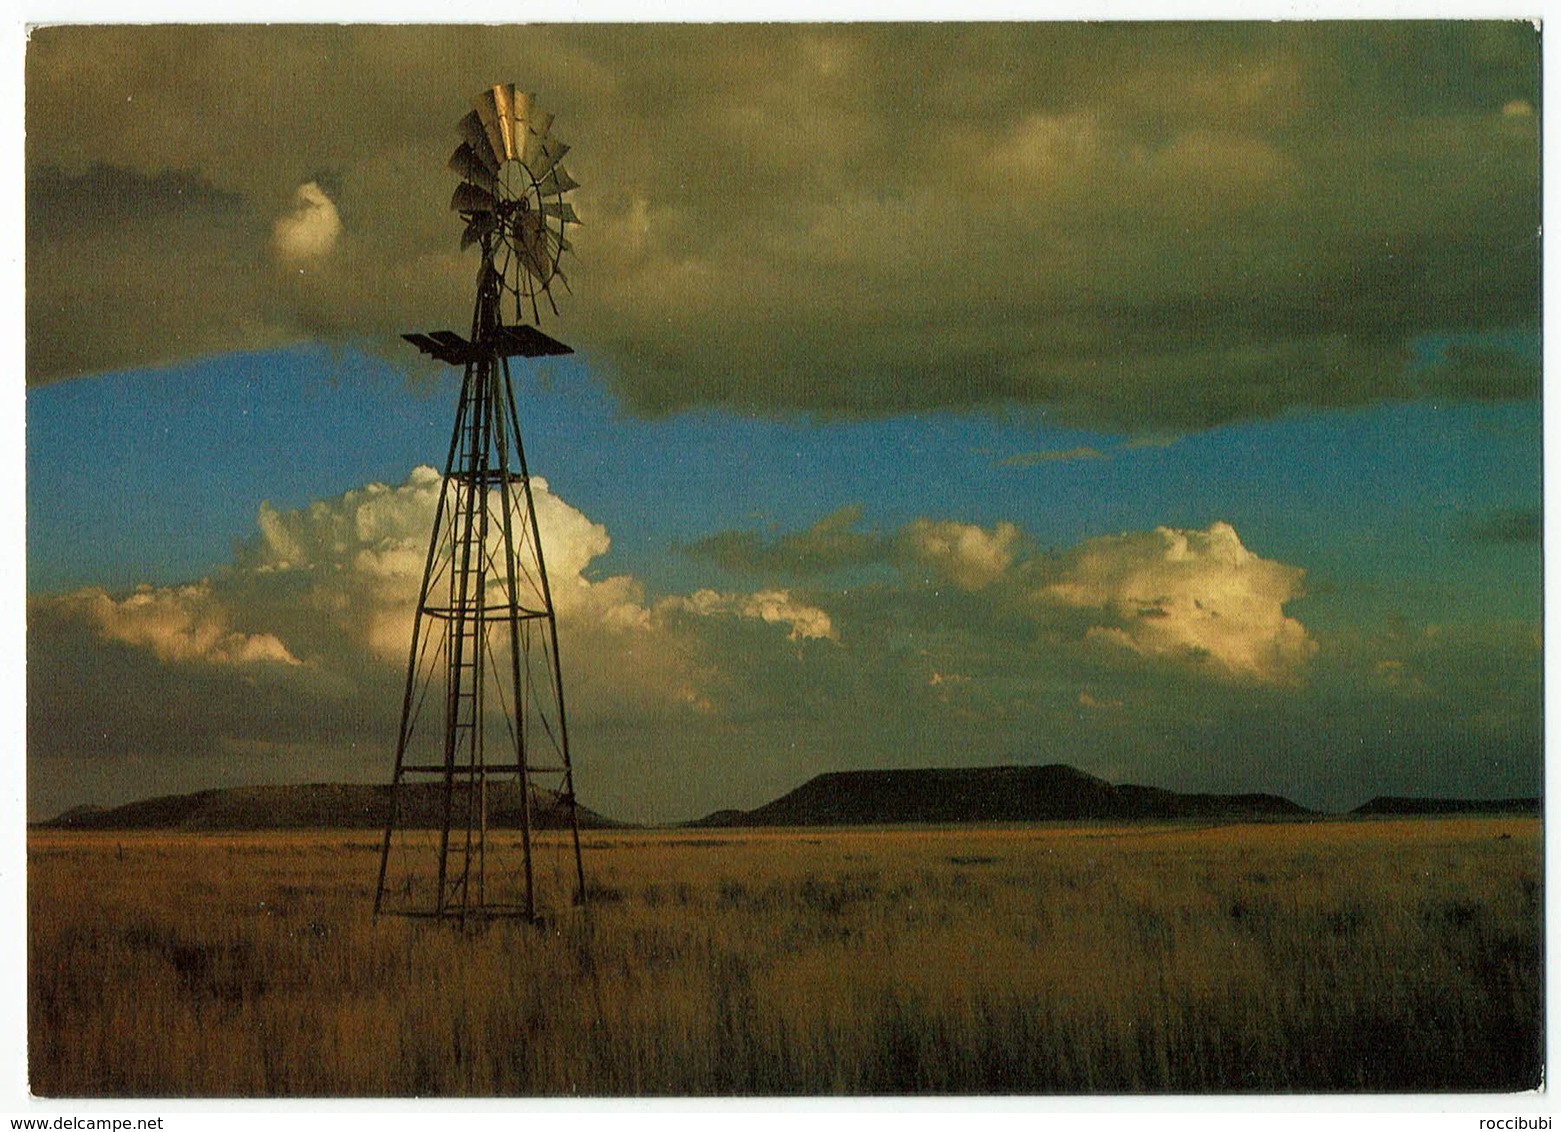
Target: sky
(1162, 399)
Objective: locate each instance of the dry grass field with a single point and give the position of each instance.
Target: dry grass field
(1371, 955)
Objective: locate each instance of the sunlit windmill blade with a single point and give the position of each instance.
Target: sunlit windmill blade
(487, 107)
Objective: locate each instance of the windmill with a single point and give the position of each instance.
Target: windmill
(482, 805)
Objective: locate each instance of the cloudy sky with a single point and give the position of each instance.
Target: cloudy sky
(1160, 399)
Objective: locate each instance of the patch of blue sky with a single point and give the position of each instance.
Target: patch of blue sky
(150, 476)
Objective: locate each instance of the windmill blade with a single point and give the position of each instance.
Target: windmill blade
(530, 234)
(538, 124)
(531, 154)
(488, 114)
(560, 209)
(537, 249)
(465, 162)
(477, 141)
(556, 241)
(521, 105)
(521, 111)
(540, 268)
(469, 198)
(550, 151)
(556, 272)
(481, 224)
(504, 105)
(557, 182)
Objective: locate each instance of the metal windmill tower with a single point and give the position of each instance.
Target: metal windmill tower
(482, 758)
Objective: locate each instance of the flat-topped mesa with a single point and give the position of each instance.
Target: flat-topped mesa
(314, 806)
(994, 794)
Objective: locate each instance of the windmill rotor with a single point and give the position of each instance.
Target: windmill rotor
(511, 196)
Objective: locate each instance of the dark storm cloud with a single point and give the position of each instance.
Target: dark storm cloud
(1510, 526)
(1147, 226)
(126, 267)
(104, 199)
(1483, 371)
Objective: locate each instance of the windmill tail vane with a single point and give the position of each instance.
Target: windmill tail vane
(482, 809)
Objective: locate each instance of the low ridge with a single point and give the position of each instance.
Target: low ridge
(992, 794)
(854, 797)
(315, 806)
(1388, 805)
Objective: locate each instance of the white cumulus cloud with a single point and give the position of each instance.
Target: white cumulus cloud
(364, 552)
(1196, 594)
(311, 229)
(180, 624)
(968, 555)
(774, 607)
(334, 585)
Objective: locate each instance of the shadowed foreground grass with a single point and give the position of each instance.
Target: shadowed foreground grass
(1375, 956)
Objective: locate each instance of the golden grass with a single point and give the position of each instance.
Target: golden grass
(1379, 956)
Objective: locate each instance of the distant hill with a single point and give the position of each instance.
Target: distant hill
(992, 794)
(316, 806)
(864, 797)
(1384, 806)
